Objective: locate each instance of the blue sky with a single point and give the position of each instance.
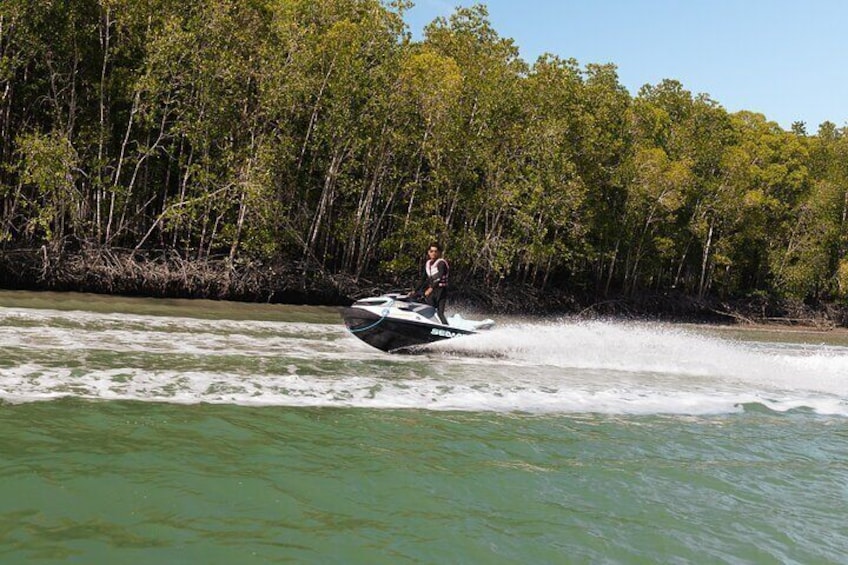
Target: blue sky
(785, 59)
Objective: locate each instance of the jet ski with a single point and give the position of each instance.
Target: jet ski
(394, 322)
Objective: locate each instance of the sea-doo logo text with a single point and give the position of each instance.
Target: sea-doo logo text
(443, 333)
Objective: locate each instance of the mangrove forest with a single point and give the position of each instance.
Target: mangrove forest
(249, 148)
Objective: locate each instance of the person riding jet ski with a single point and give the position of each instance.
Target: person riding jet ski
(400, 322)
(433, 287)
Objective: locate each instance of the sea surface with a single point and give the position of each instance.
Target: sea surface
(166, 431)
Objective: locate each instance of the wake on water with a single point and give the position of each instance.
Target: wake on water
(555, 367)
(655, 368)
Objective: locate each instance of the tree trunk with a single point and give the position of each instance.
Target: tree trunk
(105, 41)
(327, 195)
(704, 260)
(117, 179)
(239, 225)
(611, 267)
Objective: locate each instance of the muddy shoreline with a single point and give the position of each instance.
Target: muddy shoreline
(167, 275)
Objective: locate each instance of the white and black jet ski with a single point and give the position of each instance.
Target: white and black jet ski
(392, 322)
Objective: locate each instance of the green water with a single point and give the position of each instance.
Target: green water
(140, 431)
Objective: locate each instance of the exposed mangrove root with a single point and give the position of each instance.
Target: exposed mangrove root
(170, 275)
(164, 274)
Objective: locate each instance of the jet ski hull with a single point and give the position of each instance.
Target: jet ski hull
(390, 334)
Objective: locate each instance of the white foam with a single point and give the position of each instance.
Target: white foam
(663, 350)
(33, 383)
(554, 367)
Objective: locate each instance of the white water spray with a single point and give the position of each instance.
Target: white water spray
(663, 350)
(613, 368)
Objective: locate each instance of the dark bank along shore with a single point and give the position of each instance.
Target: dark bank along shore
(167, 275)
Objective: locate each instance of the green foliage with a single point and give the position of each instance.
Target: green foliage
(47, 166)
(317, 131)
(842, 279)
